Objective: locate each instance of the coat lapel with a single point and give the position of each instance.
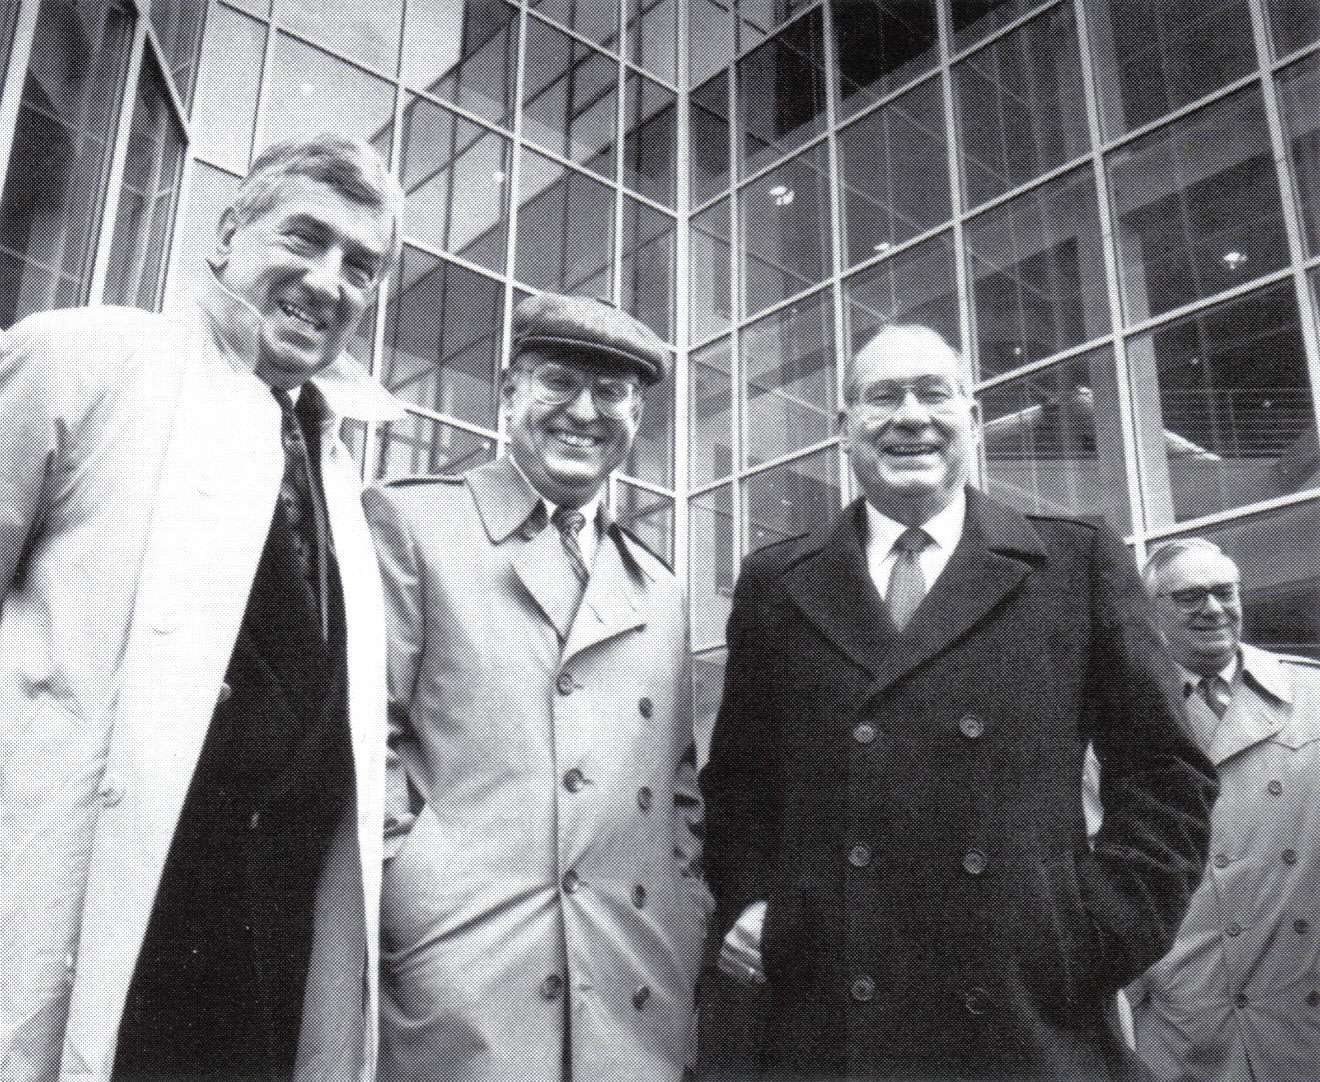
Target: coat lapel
(615, 600)
(1254, 714)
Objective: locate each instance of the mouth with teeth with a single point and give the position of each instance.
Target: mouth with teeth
(910, 450)
(302, 316)
(576, 439)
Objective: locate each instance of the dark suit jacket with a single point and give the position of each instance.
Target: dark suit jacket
(910, 804)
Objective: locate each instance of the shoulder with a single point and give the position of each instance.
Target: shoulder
(397, 497)
(418, 480)
(647, 558)
(1305, 668)
(93, 334)
(778, 556)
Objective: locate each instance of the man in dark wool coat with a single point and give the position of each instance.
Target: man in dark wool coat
(895, 835)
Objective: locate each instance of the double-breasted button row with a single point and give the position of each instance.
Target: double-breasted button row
(1221, 860)
(111, 790)
(974, 861)
(223, 695)
(976, 1001)
(1275, 787)
(574, 780)
(862, 989)
(859, 856)
(645, 707)
(864, 732)
(1301, 926)
(640, 996)
(552, 986)
(572, 882)
(565, 683)
(644, 797)
(639, 896)
(971, 726)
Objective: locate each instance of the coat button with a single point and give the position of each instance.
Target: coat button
(1276, 787)
(862, 989)
(565, 683)
(574, 780)
(1313, 998)
(976, 1000)
(1234, 928)
(639, 895)
(971, 726)
(644, 798)
(864, 733)
(551, 986)
(1241, 999)
(111, 790)
(974, 861)
(222, 696)
(1290, 856)
(1301, 927)
(645, 707)
(1221, 861)
(572, 882)
(859, 856)
(640, 996)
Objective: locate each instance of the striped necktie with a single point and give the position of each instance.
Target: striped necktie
(569, 522)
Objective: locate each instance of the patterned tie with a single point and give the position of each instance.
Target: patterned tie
(907, 586)
(303, 504)
(1216, 692)
(569, 522)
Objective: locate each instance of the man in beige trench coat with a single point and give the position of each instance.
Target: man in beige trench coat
(542, 914)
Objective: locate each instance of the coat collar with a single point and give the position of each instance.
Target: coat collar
(1260, 708)
(833, 588)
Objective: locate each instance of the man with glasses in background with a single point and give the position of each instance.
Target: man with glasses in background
(543, 911)
(1238, 996)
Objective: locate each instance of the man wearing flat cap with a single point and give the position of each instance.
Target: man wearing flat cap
(543, 911)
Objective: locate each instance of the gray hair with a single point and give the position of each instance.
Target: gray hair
(349, 165)
(851, 384)
(1165, 553)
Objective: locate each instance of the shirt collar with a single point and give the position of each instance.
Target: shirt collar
(590, 510)
(233, 326)
(944, 529)
(1192, 680)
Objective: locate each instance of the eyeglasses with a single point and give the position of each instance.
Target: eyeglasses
(556, 384)
(886, 397)
(1193, 598)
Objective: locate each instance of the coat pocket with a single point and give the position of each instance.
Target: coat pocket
(1057, 951)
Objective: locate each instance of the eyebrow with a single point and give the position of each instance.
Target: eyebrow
(302, 220)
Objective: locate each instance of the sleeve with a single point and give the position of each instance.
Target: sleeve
(1156, 787)
(402, 579)
(689, 808)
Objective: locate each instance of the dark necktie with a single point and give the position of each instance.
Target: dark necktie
(569, 522)
(303, 505)
(1216, 693)
(907, 586)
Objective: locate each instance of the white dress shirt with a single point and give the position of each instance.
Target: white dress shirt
(944, 530)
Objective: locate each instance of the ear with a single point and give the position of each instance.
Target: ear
(224, 237)
(974, 407)
(508, 385)
(845, 430)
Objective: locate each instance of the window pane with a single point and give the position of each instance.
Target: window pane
(711, 573)
(1276, 554)
(54, 195)
(791, 499)
(1294, 24)
(648, 271)
(178, 26)
(788, 366)
(710, 138)
(915, 286)
(145, 219)
(366, 32)
(442, 338)
(653, 37)
(1037, 274)
(1299, 94)
(649, 517)
(781, 93)
(464, 51)
(570, 98)
(565, 229)
(1154, 56)
(710, 388)
(1197, 207)
(1053, 441)
(226, 103)
(895, 173)
(311, 91)
(977, 19)
(881, 45)
(652, 456)
(1019, 102)
(650, 139)
(1233, 423)
(710, 37)
(455, 174)
(709, 272)
(707, 690)
(785, 231)
(594, 19)
(208, 195)
(420, 445)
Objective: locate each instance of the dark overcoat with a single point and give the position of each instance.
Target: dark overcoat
(910, 804)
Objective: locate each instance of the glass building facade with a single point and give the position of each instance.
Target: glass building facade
(1112, 206)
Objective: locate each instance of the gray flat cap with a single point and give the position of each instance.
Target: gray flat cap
(587, 326)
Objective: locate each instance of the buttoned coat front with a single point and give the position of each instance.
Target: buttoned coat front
(910, 805)
(139, 468)
(547, 759)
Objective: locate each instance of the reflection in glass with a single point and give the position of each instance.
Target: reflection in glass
(915, 286)
(974, 20)
(881, 45)
(1234, 421)
(1293, 24)
(711, 571)
(144, 222)
(565, 229)
(1037, 273)
(594, 19)
(653, 37)
(648, 272)
(208, 194)
(570, 98)
(312, 91)
(227, 83)
(652, 456)
(710, 37)
(442, 338)
(54, 192)
(895, 170)
(781, 93)
(707, 690)
(1053, 441)
(178, 26)
(710, 138)
(420, 445)
(464, 51)
(1197, 207)
(1299, 94)
(365, 32)
(455, 175)
(1154, 56)
(710, 389)
(648, 516)
(789, 372)
(1019, 106)
(709, 272)
(785, 231)
(791, 499)
(650, 139)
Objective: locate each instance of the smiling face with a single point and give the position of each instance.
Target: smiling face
(309, 264)
(1205, 640)
(910, 428)
(566, 450)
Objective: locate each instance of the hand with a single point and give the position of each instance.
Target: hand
(740, 954)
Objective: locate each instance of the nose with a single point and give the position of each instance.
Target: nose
(324, 273)
(582, 406)
(1212, 606)
(910, 411)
